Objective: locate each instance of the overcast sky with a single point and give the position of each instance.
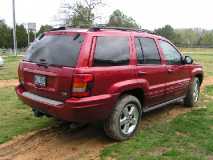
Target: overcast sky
(150, 14)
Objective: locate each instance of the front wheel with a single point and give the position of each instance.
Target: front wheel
(193, 94)
(125, 119)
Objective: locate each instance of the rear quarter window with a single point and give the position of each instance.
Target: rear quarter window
(111, 51)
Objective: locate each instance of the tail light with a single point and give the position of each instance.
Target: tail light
(82, 85)
(20, 75)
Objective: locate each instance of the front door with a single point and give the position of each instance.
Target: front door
(178, 77)
(150, 69)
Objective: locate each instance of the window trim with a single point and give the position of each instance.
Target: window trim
(93, 50)
(163, 40)
(138, 64)
(137, 39)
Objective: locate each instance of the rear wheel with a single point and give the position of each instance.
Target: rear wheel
(193, 94)
(125, 119)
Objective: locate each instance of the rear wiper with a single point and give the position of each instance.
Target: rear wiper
(43, 63)
(76, 36)
(26, 60)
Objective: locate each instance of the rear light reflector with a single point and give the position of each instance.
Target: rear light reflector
(82, 85)
(20, 74)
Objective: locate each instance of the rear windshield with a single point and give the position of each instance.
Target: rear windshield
(57, 50)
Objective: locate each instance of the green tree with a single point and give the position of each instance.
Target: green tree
(21, 34)
(32, 36)
(167, 31)
(207, 39)
(189, 37)
(5, 36)
(119, 19)
(44, 28)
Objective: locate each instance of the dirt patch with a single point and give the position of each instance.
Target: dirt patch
(58, 143)
(166, 113)
(207, 81)
(159, 151)
(210, 158)
(8, 83)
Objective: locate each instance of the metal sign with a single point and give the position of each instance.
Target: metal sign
(31, 26)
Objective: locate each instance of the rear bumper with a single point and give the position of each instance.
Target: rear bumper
(74, 110)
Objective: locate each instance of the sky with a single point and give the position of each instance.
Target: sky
(150, 14)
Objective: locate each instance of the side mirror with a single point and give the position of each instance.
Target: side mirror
(188, 60)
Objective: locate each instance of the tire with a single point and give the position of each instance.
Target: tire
(193, 93)
(125, 119)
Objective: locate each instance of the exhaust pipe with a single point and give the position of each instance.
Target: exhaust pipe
(37, 113)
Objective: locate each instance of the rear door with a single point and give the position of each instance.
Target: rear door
(110, 63)
(49, 64)
(178, 77)
(150, 68)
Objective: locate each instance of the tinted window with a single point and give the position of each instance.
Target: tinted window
(111, 51)
(171, 54)
(59, 50)
(148, 54)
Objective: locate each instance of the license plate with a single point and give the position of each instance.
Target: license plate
(40, 80)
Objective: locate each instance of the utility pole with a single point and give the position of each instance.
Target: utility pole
(28, 36)
(14, 29)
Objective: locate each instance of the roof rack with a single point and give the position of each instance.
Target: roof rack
(98, 28)
(95, 29)
(64, 28)
(59, 28)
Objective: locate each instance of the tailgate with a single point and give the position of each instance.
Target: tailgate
(49, 64)
(58, 80)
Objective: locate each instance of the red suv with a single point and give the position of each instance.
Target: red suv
(112, 75)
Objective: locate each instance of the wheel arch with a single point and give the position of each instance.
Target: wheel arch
(200, 77)
(137, 92)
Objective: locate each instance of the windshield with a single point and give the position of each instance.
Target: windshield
(57, 50)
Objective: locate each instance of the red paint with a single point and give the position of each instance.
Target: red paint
(107, 83)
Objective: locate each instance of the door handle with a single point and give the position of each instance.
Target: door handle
(141, 73)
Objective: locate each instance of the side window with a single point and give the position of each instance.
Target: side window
(111, 51)
(171, 54)
(147, 52)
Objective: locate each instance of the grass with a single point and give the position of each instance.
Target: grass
(194, 50)
(187, 137)
(209, 90)
(205, 59)
(9, 71)
(15, 117)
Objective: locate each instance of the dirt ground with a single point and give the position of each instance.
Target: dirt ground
(207, 81)
(8, 83)
(59, 143)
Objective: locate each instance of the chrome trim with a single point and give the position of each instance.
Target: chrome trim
(41, 99)
(148, 109)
